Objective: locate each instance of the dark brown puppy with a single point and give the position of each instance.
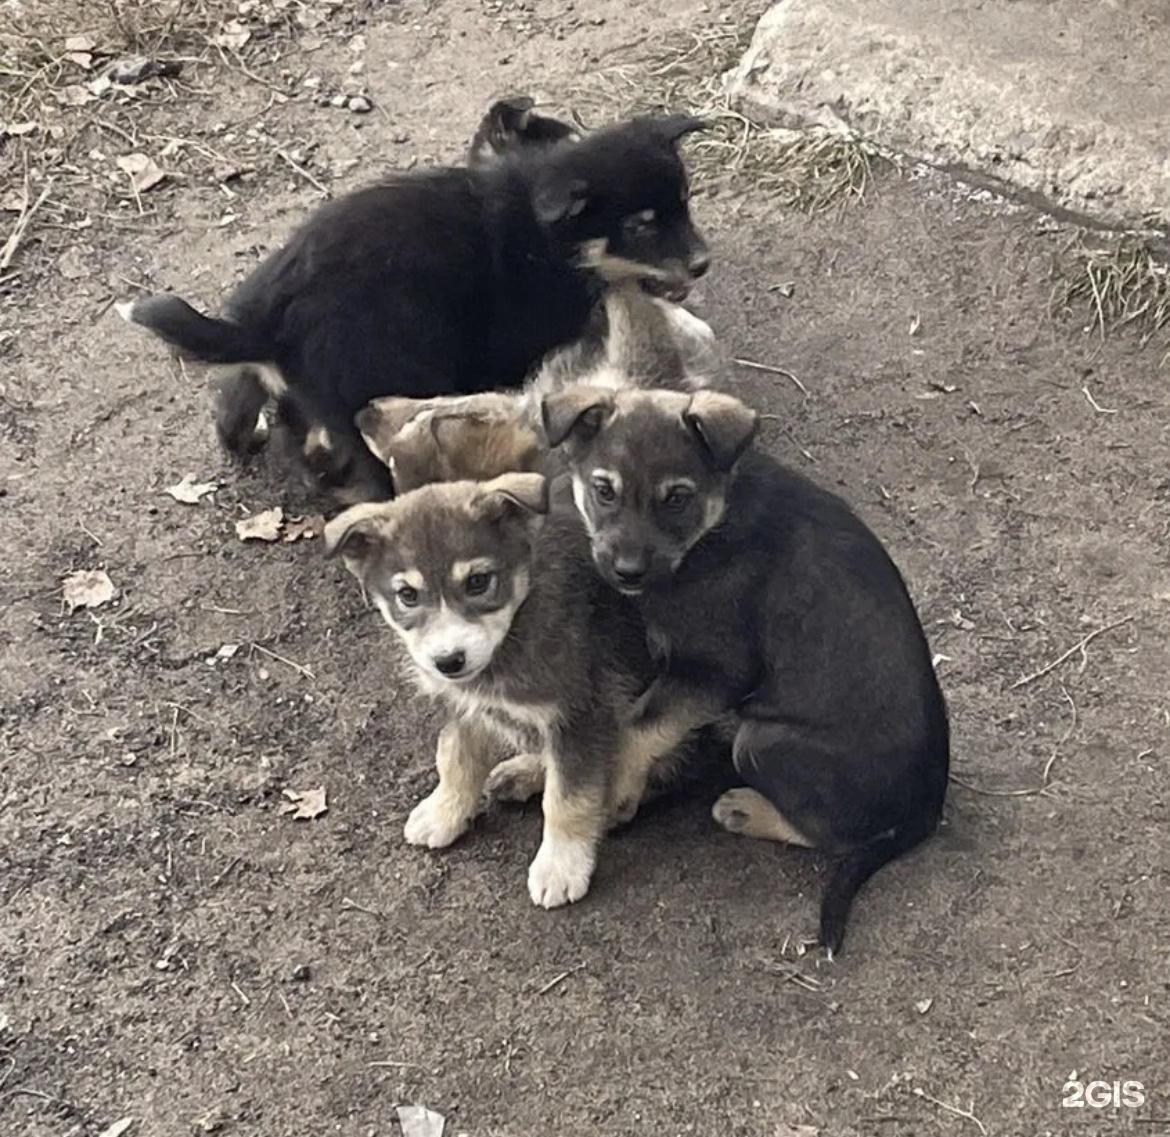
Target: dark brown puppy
(765, 596)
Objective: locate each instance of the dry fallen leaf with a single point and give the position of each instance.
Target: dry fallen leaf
(80, 43)
(71, 263)
(74, 95)
(295, 528)
(418, 1121)
(189, 491)
(118, 1128)
(233, 36)
(82, 58)
(89, 588)
(305, 806)
(263, 526)
(144, 172)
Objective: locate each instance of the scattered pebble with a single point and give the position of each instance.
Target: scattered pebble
(359, 104)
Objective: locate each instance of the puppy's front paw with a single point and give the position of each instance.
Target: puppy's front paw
(624, 812)
(435, 822)
(516, 779)
(560, 872)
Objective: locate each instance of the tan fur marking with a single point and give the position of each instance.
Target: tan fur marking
(463, 758)
(750, 814)
(640, 751)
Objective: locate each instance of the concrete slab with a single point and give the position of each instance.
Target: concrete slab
(1067, 101)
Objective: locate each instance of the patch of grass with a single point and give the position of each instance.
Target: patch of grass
(809, 169)
(34, 58)
(1122, 284)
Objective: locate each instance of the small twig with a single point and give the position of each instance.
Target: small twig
(91, 535)
(771, 370)
(559, 979)
(303, 172)
(236, 987)
(398, 1065)
(218, 878)
(1079, 646)
(788, 434)
(348, 905)
(287, 662)
(1045, 774)
(22, 223)
(1097, 406)
(921, 1093)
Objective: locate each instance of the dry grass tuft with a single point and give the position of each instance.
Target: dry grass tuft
(809, 169)
(1123, 284)
(34, 58)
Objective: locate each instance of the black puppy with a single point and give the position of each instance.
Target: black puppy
(765, 596)
(450, 281)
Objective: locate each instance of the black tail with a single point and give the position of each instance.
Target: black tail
(197, 336)
(855, 868)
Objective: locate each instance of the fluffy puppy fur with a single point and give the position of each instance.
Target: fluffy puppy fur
(647, 342)
(502, 617)
(443, 281)
(765, 596)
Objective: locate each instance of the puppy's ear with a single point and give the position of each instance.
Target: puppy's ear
(723, 424)
(578, 411)
(509, 492)
(510, 115)
(559, 199)
(382, 419)
(673, 127)
(357, 532)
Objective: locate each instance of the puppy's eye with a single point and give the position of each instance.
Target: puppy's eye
(478, 583)
(678, 499)
(604, 491)
(407, 596)
(639, 224)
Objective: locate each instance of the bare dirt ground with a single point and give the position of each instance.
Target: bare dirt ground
(175, 950)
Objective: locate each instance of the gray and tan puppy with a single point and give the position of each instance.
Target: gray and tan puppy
(764, 596)
(647, 343)
(495, 599)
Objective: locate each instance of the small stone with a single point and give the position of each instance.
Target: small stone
(359, 104)
(302, 973)
(399, 137)
(337, 101)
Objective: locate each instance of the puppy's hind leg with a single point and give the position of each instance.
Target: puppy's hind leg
(517, 779)
(463, 758)
(748, 813)
(240, 398)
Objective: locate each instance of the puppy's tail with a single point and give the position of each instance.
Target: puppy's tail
(195, 335)
(856, 867)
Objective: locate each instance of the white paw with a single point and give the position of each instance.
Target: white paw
(560, 872)
(435, 823)
(516, 779)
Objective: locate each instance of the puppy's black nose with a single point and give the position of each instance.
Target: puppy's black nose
(451, 663)
(630, 571)
(699, 263)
